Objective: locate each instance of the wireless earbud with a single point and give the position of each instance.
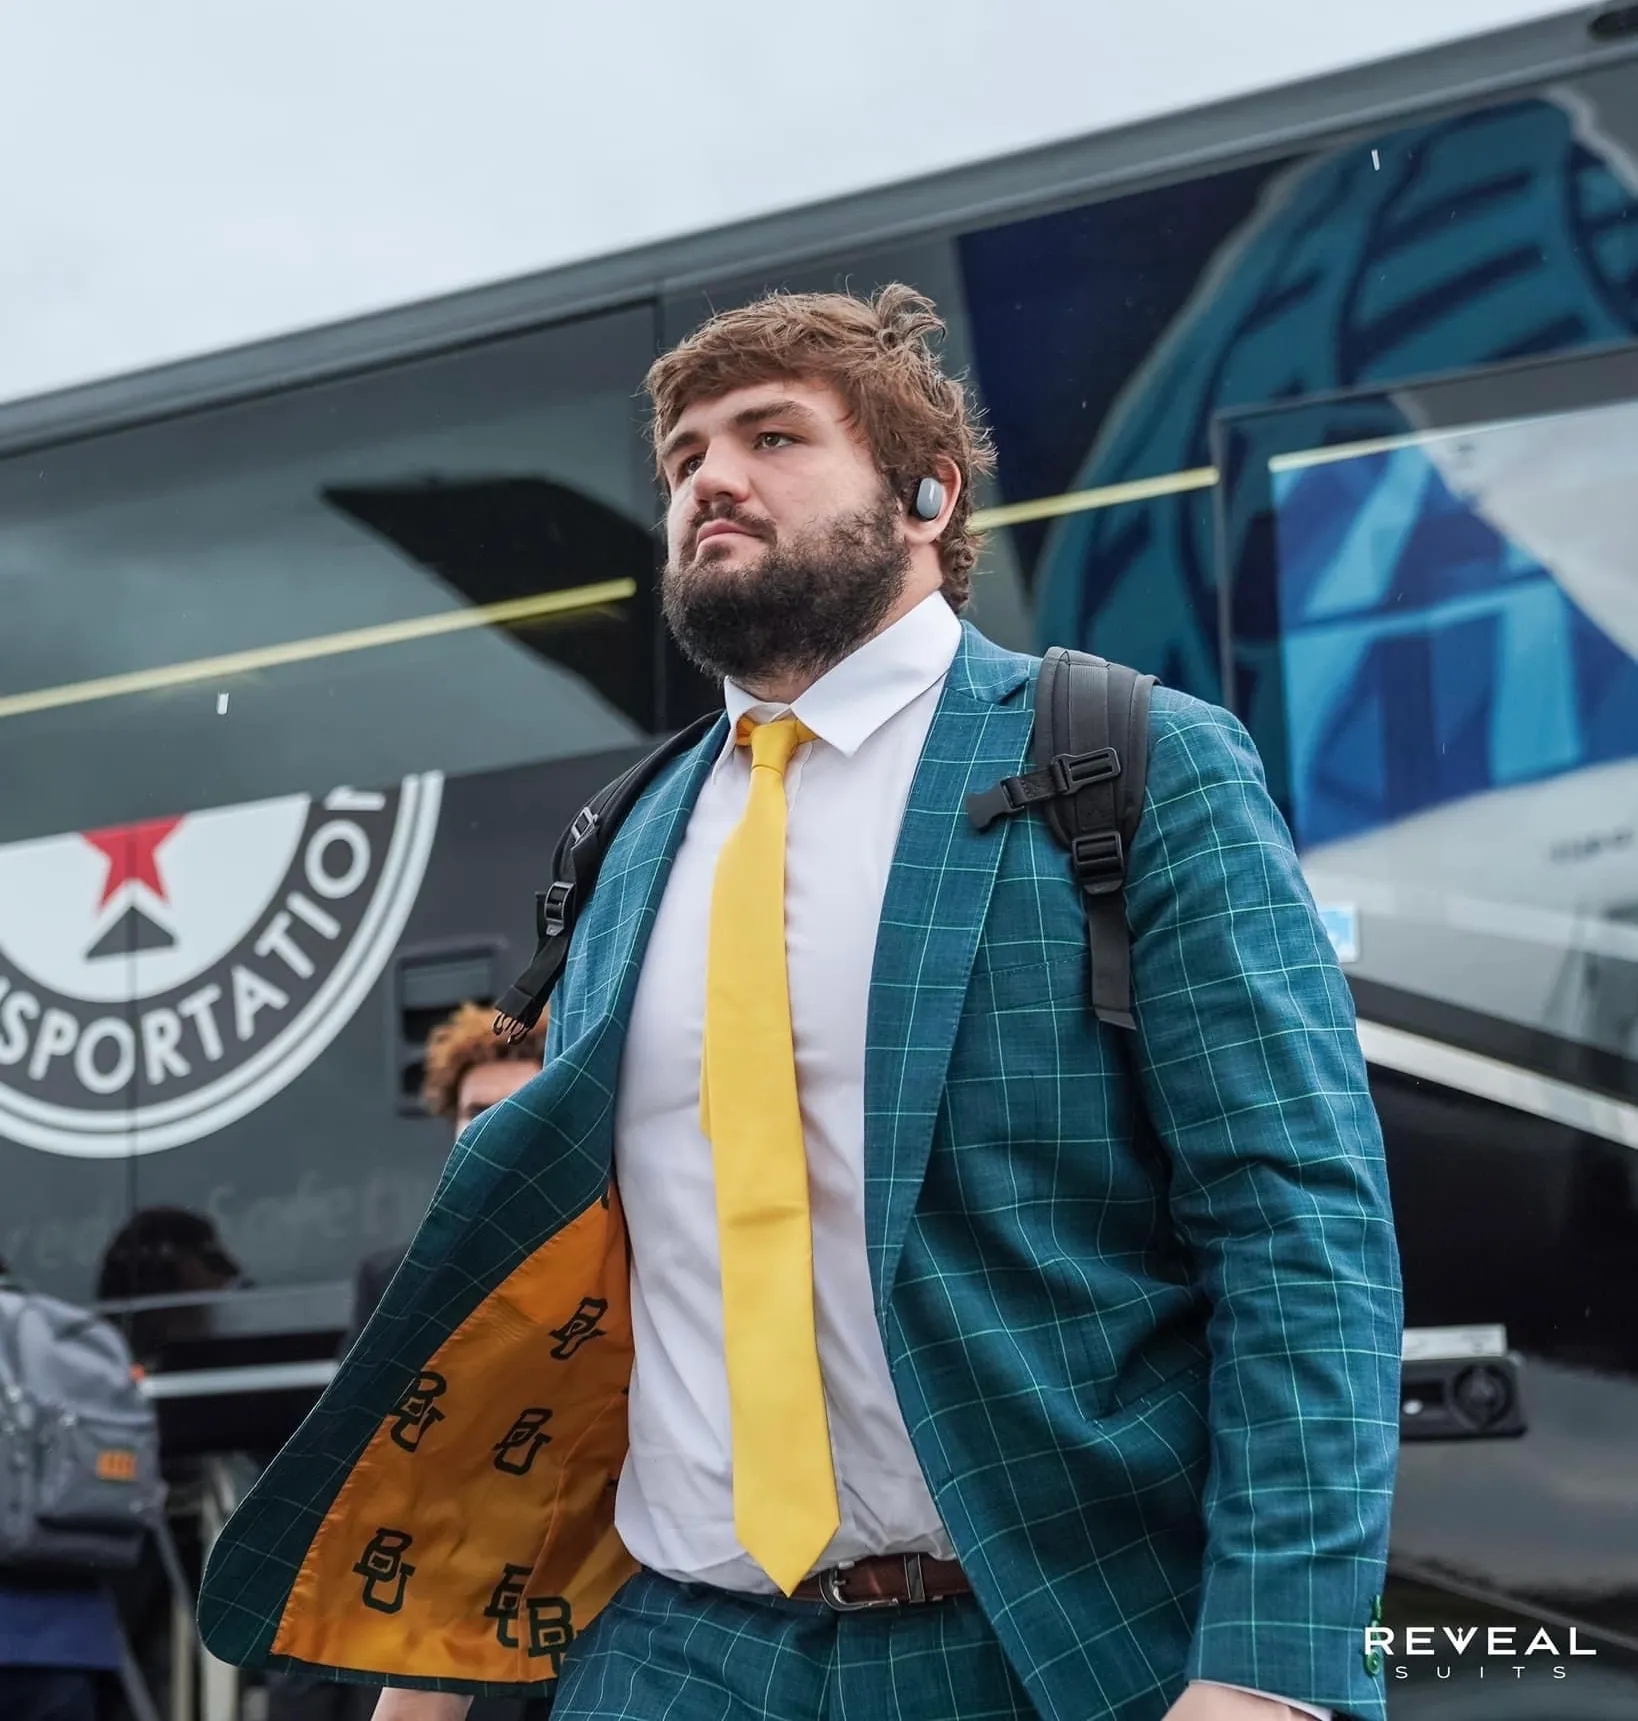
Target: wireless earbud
(929, 500)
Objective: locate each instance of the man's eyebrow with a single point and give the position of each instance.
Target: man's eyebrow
(676, 442)
(792, 410)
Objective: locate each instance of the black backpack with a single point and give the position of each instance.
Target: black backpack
(1091, 753)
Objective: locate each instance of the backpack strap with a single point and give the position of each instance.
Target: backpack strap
(575, 865)
(1091, 753)
(1088, 707)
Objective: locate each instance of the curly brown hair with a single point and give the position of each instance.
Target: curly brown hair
(462, 1042)
(877, 354)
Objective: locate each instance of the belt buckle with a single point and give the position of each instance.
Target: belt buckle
(831, 1592)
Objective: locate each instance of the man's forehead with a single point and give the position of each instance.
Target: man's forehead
(712, 410)
(498, 1076)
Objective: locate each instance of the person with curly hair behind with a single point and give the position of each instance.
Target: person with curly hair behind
(467, 1071)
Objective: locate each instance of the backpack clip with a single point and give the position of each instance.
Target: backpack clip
(1064, 774)
(999, 801)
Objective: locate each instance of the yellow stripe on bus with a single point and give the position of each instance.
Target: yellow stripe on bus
(1106, 496)
(325, 645)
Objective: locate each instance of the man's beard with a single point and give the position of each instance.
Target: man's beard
(800, 608)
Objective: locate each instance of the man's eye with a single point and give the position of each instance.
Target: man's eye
(687, 467)
(772, 438)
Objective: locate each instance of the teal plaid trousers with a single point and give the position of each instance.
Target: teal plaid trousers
(687, 1652)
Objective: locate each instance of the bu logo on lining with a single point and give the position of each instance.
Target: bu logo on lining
(522, 1442)
(580, 1328)
(416, 1412)
(382, 1568)
(550, 1624)
(506, 1601)
(504, 1604)
(550, 1628)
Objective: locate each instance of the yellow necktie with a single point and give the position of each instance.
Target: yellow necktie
(785, 1509)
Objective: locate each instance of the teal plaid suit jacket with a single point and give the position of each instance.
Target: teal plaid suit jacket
(1141, 1303)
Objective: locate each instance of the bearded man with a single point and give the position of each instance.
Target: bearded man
(845, 1322)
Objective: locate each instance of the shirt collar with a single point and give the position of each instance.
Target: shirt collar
(850, 702)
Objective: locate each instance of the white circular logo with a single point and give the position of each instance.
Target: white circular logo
(160, 980)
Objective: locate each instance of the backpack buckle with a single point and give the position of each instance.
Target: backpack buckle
(1073, 771)
(1063, 774)
(1099, 860)
(585, 822)
(553, 915)
(999, 801)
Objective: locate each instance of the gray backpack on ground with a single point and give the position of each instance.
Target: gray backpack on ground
(79, 1441)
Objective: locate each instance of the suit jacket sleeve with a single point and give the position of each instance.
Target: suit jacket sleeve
(1255, 1081)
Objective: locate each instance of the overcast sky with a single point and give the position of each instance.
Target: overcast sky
(181, 175)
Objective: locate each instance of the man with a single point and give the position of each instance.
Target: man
(840, 1255)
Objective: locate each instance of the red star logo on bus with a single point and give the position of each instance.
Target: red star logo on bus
(132, 852)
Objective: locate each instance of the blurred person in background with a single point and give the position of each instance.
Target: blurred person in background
(165, 1252)
(59, 1642)
(60, 1648)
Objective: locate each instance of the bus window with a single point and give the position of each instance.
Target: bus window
(444, 565)
(258, 662)
(1437, 642)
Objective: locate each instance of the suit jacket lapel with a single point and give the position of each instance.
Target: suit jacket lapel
(938, 893)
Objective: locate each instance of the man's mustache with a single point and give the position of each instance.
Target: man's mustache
(752, 525)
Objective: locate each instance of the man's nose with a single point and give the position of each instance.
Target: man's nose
(720, 476)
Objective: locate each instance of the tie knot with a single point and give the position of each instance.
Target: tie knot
(773, 743)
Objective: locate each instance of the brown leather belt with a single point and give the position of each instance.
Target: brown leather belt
(885, 1580)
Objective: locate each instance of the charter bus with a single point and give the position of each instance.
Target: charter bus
(1321, 404)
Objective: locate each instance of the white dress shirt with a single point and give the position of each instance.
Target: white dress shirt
(845, 794)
